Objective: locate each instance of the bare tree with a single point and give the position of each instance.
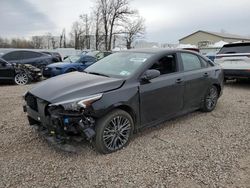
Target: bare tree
(76, 32)
(37, 41)
(113, 12)
(86, 25)
(62, 39)
(134, 29)
(98, 27)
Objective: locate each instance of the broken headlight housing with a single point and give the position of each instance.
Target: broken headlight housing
(79, 103)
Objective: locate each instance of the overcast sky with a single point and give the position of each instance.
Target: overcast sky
(166, 20)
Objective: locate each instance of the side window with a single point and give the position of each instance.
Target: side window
(166, 64)
(11, 56)
(190, 62)
(29, 55)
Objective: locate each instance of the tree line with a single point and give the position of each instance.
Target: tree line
(108, 21)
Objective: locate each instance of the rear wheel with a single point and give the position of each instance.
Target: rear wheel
(210, 99)
(21, 78)
(113, 131)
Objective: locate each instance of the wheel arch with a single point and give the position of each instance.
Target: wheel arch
(218, 88)
(125, 108)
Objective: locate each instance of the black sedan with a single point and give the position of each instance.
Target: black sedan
(123, 93)
(21, 74)
(33, 58)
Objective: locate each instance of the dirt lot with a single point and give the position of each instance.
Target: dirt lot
(196, 150)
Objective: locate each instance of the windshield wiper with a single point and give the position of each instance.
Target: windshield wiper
(96, 73)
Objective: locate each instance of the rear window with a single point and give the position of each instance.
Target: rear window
(239, 48)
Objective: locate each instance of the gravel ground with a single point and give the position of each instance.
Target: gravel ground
(196, 150)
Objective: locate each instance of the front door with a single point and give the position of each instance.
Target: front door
(162, 97)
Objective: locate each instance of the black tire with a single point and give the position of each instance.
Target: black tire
(210, 99)
(21, 78)
(117, 136)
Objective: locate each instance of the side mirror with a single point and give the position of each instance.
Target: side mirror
(151, 74)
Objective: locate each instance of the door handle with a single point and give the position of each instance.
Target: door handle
(205, 74)
(179, 80)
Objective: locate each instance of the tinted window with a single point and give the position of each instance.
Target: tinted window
(166, 64)
(29, 55)
(190, 62)
(235, 48)
(12, 56)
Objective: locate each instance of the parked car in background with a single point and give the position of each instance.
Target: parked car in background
(56, 56)
(235, 60)
(211, 56)
(70, 64)
(74, 63)
(36, 59)
(99, 54)
(21, 74)
(123, 93)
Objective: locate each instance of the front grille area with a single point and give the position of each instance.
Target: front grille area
(31, 101)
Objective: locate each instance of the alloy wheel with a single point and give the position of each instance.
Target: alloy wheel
(21, 79)
(116, 133)
(211, 98)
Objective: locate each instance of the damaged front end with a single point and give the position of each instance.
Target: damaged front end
(64, 121)
(32, 72)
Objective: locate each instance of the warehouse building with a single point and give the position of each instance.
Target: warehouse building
(205, 38)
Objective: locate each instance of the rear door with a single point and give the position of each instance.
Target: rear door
(28, 57)
(162, 97)
(197, 79)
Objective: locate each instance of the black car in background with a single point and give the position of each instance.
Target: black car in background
(21, 74)
(122, 93)
(55, 55)
(36, 59)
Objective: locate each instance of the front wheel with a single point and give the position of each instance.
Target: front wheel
(113, 131)
(21, 78)
(210, 99)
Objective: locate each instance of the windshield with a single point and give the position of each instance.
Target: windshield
(72, 59)
(122, 64)
(93, 53)
(243, 48)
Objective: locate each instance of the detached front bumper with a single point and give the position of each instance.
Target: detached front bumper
(58, 126)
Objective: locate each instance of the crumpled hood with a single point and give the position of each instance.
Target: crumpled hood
(74, 85)
(62, 65)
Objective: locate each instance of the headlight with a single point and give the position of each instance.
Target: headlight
(76, 104)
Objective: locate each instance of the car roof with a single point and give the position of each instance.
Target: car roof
(159, 50)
